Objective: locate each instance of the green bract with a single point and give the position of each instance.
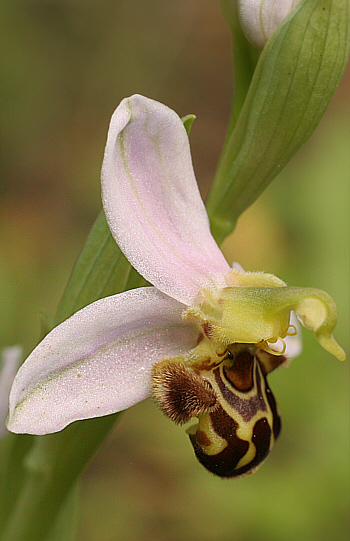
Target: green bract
(294, 81)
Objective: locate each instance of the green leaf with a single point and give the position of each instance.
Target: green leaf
(294, 81)
(101, 270)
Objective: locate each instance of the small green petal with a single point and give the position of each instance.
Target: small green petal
(187, 122)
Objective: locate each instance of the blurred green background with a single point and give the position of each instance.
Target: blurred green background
(65, 65)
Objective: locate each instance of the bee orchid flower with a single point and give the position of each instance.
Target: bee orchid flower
(201, 339)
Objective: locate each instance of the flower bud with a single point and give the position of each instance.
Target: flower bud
(10, 360)
(260, 18)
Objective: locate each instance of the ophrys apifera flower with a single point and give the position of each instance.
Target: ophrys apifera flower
(203, 338)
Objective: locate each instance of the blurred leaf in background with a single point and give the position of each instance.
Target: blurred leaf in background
(65, 66)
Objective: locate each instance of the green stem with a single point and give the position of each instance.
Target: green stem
(65, 526)
(54, 464)
(13, 449)
(245, 58)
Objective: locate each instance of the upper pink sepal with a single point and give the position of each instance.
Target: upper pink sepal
(152, 203)
(98, 361)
